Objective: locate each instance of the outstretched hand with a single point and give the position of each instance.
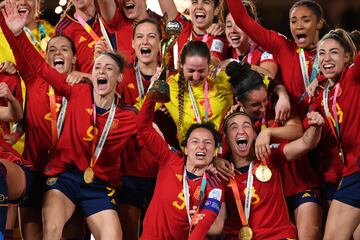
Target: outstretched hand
(13, 19)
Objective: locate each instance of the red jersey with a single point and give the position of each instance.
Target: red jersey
(347, 102)
(10, 154)
(84, 43)
(128, 87)
(37, 111)
(124, 30)
(284, 50)
(217, 45)
(269, 217)
(298, 175)
(257, 57)
(166, 217)
(74, 148)
(13, 82)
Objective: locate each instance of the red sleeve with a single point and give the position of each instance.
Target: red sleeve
(53, 77)
(269, 40)
(355, 68)
(114, 24)
(210, 208)
(218, 47)
(147, 135)
(22, 65)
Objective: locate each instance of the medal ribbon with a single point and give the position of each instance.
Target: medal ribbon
(56, 121)
(33, 39)
(194, 105)
(104, 33)
(100, 145)
(244, 214)
(139, 82)
(187, 196)
(335, 131)
(251, 52)
(87, 27)
(304, 71)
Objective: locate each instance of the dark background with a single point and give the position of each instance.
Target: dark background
(274, 13)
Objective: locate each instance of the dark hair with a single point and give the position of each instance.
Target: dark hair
(117, 57)
(192, 48)
(151, 21)
(228, 117)
(195, 48)
(344, 39)
(243, 79)
(208, 126)
(72, 45)
(310, 4)
(355, 36)
(249, 6)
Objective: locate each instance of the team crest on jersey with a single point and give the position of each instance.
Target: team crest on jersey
(197, 193)
(114, 124)
(51, 181)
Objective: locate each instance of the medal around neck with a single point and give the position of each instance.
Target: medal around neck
(245, 233)
(263, 173)
(89, 175)
(159, 90)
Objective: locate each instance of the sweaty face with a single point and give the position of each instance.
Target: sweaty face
(146, 43)
(105, 75)
(332, 58)
(196, 70)
(202, 14)
(256, 102)
(200, 148)
(134, 9)
(304, 27)
(59, 55)
(30, 6)
(235, 36)
(240, 135)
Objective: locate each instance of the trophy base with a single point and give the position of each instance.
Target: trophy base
(159, 92)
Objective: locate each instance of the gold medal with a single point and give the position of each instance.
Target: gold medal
(341, 154)
(263, 173)
(89, 175)
(245, 233)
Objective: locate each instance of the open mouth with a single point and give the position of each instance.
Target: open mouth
(200, 16)
(242, 142)
(59, 63)
(23, 10)
(102, 83)
(200, 155)
(328, 68)
(145, 51)
(129, 5)
(301, 37)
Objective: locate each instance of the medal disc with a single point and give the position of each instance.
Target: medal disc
(89, 175)
(263, 173)
(245, 233)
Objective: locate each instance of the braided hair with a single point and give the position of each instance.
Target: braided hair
(192, 48)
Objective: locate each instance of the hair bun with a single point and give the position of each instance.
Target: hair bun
(235, 68)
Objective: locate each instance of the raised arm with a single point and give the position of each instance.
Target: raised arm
(107, 9)
(169, 7)
(13, 111)
(308, 141)
(24, 68)
(269, 40)
(15, 22)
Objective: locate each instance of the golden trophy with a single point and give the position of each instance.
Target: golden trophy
(159, 90)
